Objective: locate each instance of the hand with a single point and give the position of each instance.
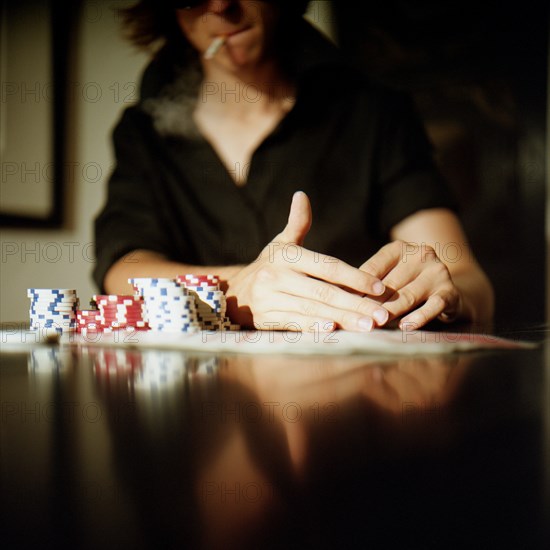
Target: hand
(291, 288)
(416, 281)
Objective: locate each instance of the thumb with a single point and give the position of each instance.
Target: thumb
(299, 220)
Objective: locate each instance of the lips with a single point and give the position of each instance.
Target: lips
(228, 34)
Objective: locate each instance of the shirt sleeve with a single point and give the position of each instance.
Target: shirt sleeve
(408, 177)
(129, 219)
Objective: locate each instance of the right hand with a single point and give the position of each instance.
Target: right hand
(291, 288)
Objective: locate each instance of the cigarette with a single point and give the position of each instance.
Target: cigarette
(216, 44)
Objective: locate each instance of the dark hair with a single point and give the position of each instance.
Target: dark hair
(152, 23)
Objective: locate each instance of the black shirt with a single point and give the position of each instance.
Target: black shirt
(357, 149)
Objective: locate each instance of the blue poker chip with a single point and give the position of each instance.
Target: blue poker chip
(53, 299)
(56, 291)
(204, 288)
(66, 311)
(52, 309)
(38, 327)
(164, 323)
(171, 314)
(171, 327)
(176, 301)
(153, 282)
(52, 325)
(168, 311)
(53, 318)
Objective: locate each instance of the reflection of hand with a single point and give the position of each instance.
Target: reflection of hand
(417, 282)
(292, 288)
(422, 381)
(386, 381)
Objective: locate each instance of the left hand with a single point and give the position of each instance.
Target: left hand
(418, 283)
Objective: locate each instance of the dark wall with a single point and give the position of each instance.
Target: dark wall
(478, 74)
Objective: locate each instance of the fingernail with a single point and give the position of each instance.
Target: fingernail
(381, 316)
(378, 288)
(365, 323)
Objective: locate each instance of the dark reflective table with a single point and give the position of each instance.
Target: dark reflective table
(114, 448)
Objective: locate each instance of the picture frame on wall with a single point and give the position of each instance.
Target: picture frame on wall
(33, 71)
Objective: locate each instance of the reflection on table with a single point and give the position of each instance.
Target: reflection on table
(214, 451)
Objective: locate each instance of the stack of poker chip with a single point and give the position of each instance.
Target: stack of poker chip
(53, 308)
(210, 300)
(168, 305)
(119, 312)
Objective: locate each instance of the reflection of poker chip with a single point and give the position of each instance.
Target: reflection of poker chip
(207, 366)
(160, 370)
(116, 361)
(48, 360)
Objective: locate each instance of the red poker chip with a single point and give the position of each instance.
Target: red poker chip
(200, 278)
(114, 314)
(206, 284)
(132, 312)
(113, 305)
(92, 327)
(137, 326)
(85, 322)
(120, 322)
(121, 303)
(121, 314)
(121, 309)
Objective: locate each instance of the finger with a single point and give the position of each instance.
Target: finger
(347, 320)
(327, 293)
(435, 305)
(406, 299)
(299, 220)
(333, 270)
(399, 277)
(295, 322)
(384, 260)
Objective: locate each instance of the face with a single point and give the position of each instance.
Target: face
(247, 25)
